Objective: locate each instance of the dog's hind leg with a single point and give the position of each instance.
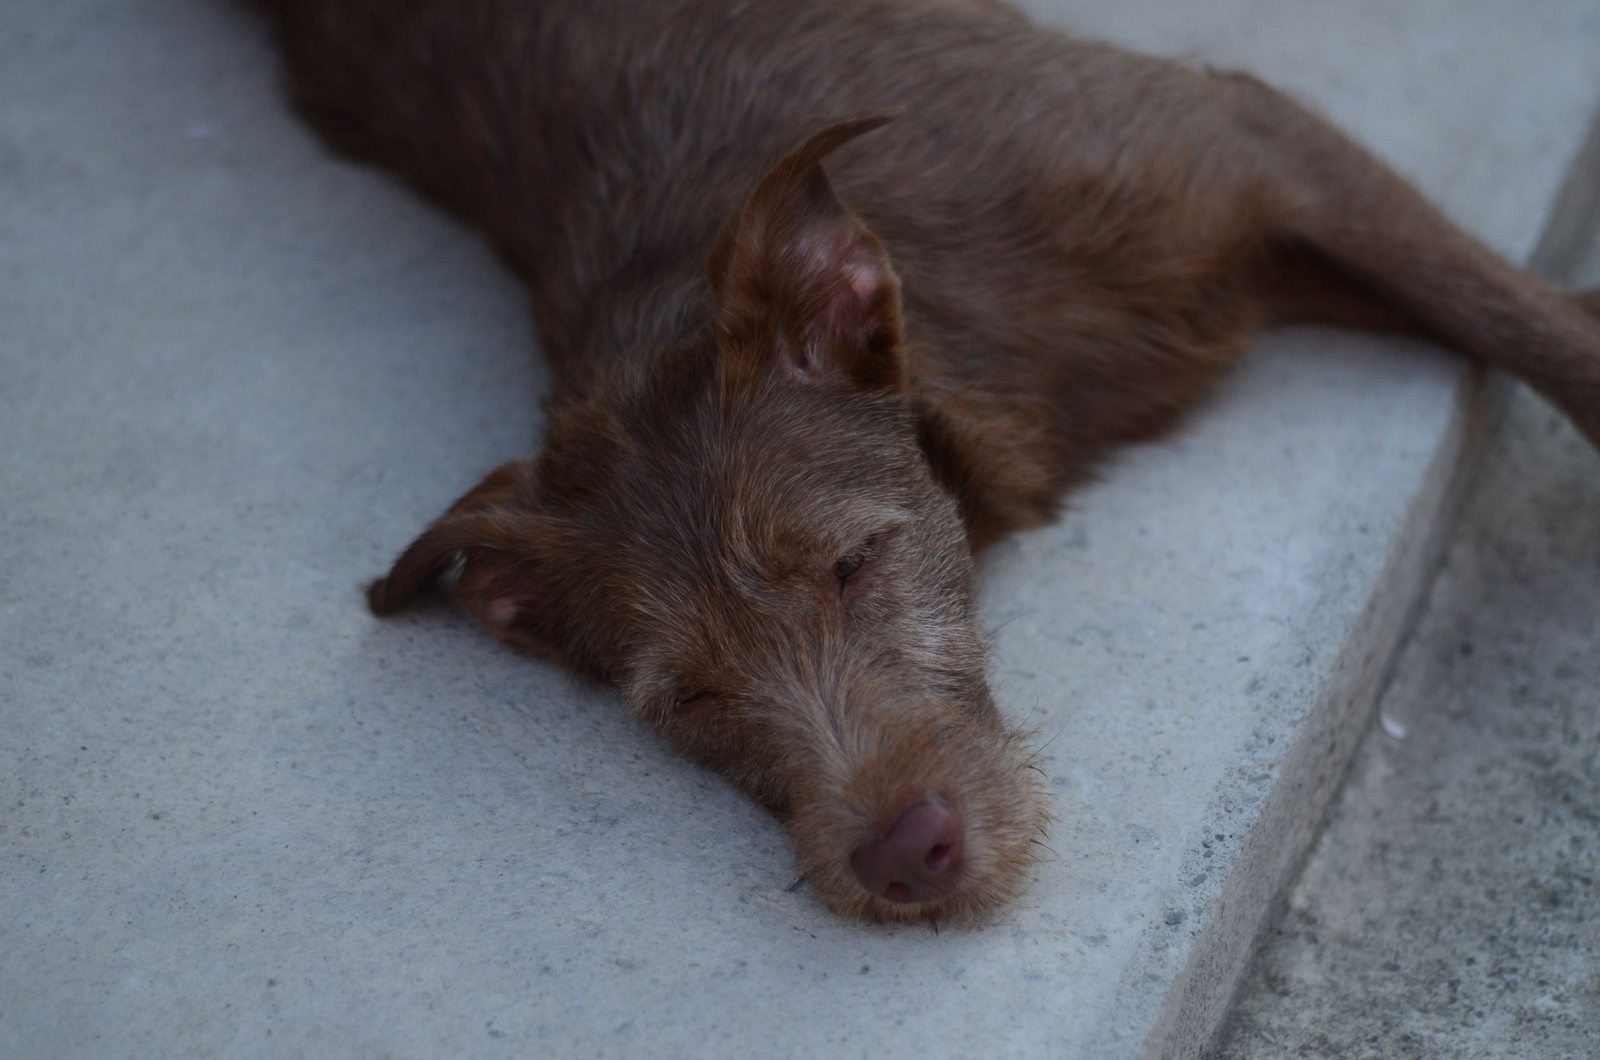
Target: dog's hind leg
(1351, 242)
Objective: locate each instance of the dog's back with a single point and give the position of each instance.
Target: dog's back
(1064, 214)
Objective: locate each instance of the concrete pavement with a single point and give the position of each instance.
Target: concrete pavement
(243, 818)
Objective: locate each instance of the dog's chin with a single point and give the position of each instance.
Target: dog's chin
(973, 902)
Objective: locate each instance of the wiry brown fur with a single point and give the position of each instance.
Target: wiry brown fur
(807, 358)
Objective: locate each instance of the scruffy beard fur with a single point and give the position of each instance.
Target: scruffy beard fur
(834, 293)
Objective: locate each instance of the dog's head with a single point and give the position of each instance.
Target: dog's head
(751, 543)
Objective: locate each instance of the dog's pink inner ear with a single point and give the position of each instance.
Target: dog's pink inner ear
(802, 283)
(497, 594)
(502, 611)
(839, 311)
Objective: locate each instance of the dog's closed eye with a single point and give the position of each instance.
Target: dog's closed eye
(850, 568)
(691, 701)
(848, 565)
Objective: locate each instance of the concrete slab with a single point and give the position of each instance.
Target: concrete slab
(245, 819)
(1449, 907)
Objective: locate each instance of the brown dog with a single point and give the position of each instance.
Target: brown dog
(790, 403)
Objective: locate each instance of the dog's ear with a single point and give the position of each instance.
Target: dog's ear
(491, 538)
(801, 284)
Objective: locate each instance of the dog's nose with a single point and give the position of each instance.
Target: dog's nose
(919, 859)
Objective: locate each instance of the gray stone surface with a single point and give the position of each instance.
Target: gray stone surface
(1451, 906)
(243, 818)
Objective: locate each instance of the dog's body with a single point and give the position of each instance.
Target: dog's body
(789, 405)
